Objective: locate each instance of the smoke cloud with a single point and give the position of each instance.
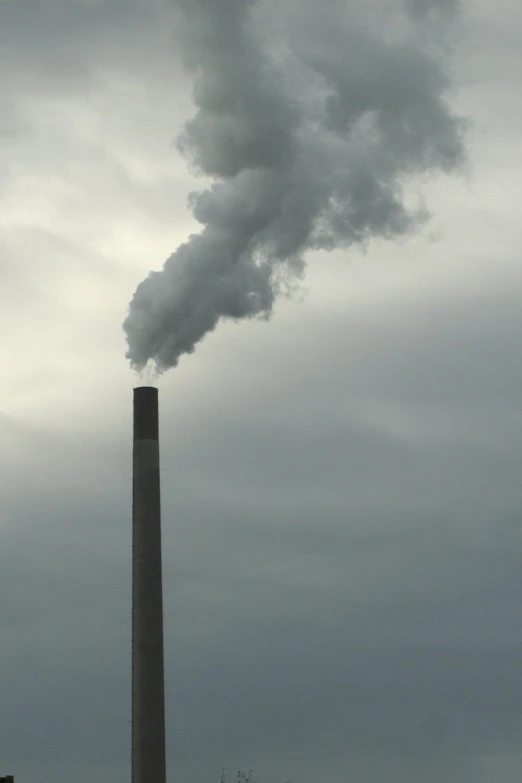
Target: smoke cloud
(310, 119)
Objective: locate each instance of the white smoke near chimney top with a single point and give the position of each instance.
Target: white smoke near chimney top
(309, 118)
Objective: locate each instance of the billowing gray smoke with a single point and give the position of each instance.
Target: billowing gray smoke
(310, 117)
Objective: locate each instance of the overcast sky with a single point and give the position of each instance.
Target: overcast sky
(341, 484)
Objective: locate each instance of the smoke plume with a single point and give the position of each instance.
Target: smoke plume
(310, 118)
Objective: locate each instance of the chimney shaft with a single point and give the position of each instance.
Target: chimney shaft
(148, 697)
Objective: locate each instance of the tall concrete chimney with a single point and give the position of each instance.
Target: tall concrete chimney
(148, 692)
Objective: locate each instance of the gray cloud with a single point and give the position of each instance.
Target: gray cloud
(341, 490)
(315, 167)
(421, 8)
(63, 44)
(339, 596)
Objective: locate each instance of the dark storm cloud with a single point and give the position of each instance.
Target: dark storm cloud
(68, 564)
(339, 598)
(341, 526)
(381, 570)
(316, 161)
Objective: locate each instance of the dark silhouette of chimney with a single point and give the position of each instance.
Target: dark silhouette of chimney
(148, 691)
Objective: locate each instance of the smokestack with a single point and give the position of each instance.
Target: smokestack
(148, 696)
